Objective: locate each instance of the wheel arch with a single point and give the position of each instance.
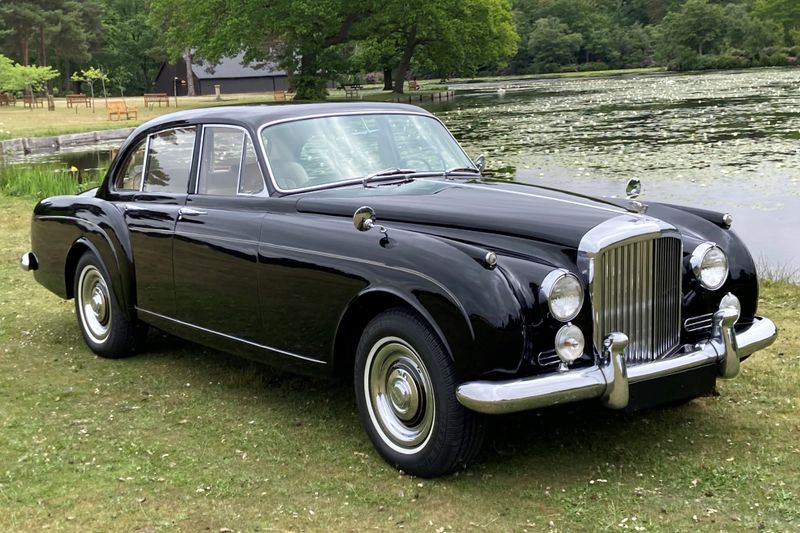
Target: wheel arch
(366, 306)
(109, 262)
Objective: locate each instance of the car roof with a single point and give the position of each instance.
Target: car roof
(256, 115)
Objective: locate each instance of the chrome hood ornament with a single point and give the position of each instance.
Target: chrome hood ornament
(632, 191)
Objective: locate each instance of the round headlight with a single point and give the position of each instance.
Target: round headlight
(569, 343)
(564, 294)
(710, 265)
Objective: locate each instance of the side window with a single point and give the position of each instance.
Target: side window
(129, 175)
(252, 181)
(221, 160)
(228, 164)
(169, 160)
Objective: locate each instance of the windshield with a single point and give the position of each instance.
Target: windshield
(328, 150)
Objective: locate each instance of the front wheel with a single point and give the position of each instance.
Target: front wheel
(104, 327)
(405, 389)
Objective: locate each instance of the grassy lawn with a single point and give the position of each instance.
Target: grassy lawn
(17, 121)
(184, 438)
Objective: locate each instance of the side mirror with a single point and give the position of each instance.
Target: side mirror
(480, 162)
(364, 220)
(633, 189)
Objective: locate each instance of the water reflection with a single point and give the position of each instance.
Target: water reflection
(725, 141)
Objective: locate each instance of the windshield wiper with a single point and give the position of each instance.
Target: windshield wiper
(460, 171)
(392, 175)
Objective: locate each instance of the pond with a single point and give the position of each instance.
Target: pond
(728, 141)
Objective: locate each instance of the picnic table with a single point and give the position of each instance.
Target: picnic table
(8, 99)
(151, 99)
(351, 90)
(31, 101)
(73, 99)
(117, 109)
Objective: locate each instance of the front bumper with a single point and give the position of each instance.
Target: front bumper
(610, 377)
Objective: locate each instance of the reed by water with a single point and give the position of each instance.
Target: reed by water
(41, 182)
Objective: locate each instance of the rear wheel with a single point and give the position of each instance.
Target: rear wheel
(103, 326)
(405, 388)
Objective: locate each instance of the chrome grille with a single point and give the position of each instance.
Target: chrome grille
(637, 290)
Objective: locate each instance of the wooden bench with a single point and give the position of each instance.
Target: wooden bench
(279, 96)
(413, 85)
(8, 99)
(31, 101)
(73, 99)
(117, 109)
(151, 99)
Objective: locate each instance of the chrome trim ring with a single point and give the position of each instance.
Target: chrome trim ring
(696, 262)
(546, 289)
(94, 304)
(399, 395)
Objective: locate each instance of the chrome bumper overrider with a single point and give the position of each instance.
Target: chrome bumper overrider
(28, 261)
(609, 378)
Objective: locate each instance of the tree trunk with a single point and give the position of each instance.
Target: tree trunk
(387, 79)
(405, 60)
(308, 83)
(23, 47)
(189, 74)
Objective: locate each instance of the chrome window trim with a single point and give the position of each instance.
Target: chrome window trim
(341, 114)
(241, 160)
(114, 187)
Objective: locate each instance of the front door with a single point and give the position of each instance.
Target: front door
(160, 170)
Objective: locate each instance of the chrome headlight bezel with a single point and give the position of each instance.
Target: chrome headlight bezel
(561, 281)
(699, 261)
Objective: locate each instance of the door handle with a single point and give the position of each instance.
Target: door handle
(134, 207)
(189, 212)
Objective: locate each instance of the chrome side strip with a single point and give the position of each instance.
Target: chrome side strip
(231, 337)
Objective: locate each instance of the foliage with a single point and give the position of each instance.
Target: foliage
(38, 182)
(15, 77)
(550, 44)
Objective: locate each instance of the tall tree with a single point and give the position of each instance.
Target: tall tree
(132, 44)
(301, 35)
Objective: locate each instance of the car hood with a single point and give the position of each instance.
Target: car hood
(512, 209)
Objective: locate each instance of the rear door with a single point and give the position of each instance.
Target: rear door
(216, 239)
(154, 182)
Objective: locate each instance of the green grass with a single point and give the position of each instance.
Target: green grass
(38, 182)
(183, 438)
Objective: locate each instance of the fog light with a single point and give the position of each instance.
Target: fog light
(569, 343)
(730, 301)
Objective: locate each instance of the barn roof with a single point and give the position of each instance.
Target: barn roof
(233, 67)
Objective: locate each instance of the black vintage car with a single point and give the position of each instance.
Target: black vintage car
(454, 296)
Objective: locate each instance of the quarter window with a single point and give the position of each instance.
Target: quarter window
(129, 176)
(169, 160)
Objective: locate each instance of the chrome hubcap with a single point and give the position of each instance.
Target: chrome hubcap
(400, 395)
(94, 304)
